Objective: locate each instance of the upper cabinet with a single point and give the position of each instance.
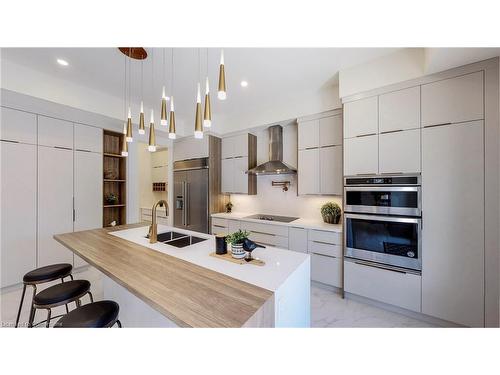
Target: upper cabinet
(55, 133)
(361, 155)
(191, 148)
(399, 110)
(239, 154)
(320, 155)
(18, 126)
(452, 100)
(361, 117)
(88, 138)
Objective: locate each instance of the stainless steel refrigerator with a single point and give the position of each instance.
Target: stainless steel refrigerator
(191, 191)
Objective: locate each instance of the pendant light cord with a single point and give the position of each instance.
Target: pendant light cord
(172, 74)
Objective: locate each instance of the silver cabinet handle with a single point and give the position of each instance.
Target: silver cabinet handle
(434, 125)
(268, 234)
(325, 243)
(392, 131)
(365, 135)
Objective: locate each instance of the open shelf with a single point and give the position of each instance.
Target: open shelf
(114, 179)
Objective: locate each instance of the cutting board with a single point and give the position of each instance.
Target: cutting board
(229, 258)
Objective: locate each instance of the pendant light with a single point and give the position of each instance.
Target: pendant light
(141, 115)
(152, 138)
(124, 151)
(221, 94)
(198, 127)
(129, 119)
(171, 127)
(163, 118)
(124, 141)
(207, 113)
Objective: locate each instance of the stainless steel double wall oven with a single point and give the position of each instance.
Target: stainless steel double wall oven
(383, 221)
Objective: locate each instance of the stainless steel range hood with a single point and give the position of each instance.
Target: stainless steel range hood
(275, 164)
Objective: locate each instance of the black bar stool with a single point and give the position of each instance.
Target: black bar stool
(58, 295)
(102, 314)
(43, 275)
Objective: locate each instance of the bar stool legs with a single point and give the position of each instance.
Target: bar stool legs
(119, 324)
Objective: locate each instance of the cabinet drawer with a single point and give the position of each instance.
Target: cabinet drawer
(269, 239)
(220, 223)
(392, 287)
(332, 238)
(326, 270)
(317, 247)
(400, 152)
(18, 126)
(361, 156)
(277, 230)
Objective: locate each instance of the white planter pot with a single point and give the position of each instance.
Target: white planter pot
(237, 251)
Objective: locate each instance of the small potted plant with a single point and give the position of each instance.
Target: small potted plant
(111, 198)
(229, 207)
(331, 212)
(236, 241)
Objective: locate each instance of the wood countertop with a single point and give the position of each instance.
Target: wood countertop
(187, 294)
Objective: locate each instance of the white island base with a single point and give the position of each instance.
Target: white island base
(286, 274)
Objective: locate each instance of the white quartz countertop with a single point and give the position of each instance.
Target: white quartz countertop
(302, 223)
(280, 263)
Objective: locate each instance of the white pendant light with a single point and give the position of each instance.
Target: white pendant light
(221, 93)
(163, 116)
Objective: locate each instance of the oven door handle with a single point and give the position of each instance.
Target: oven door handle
(392, 219)
(383, 188)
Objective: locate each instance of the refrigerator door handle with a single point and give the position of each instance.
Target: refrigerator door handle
(188, 204)
(185, 203)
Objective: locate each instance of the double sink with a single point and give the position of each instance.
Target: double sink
(178, 239)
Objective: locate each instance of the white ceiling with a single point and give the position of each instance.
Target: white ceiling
(276, 77)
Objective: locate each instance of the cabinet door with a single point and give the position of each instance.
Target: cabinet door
(361, 155)
(453, 215)
(453, 100)
(330, 131)
(240, 166)
(361, 117)
(297, 239)
(18, 212)
(55, 133)
(17, 126)
(309, 171)
(308, 134)
(399, 110)
(88, 193)
(240, 145)
(88, 138)
(227, 184)
(331, 170)
(326, 270)
(227, 148)
(399, 152)
(55, 203)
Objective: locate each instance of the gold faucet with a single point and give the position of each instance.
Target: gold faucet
(153, 228)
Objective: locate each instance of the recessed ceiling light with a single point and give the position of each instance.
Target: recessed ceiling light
(244, 83)
(62, 62)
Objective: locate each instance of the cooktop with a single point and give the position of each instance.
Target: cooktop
(282, 219)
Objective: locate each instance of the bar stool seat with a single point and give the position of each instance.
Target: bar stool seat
(100, 314)
(48, 273)
(62, 292)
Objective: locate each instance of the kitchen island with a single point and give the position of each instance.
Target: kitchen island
(159, 285)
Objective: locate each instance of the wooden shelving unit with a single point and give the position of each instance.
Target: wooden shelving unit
(114, 179)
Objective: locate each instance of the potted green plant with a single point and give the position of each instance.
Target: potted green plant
(331, 213)
(229, 207)
(111, 198)
(236, 241)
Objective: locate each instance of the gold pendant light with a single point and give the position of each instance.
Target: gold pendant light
(152, 138)
(198, 127)
(124, 141)
(221, 93)
(207, 114)
(129, 126)
(171, 127)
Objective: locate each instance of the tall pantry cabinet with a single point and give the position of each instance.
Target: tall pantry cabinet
(51, 183)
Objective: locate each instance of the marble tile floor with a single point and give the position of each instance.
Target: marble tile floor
(328, 309)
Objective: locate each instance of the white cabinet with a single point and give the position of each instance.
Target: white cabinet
(18, 211)
(191, 148)
(361, 155)
(238, 156)
(453, 100)
(227, 180)
(17, 126)
(397, 288)
(330, 175)
(326, 270)
(453, 215)
(88, 138)
(297, 239)
(234, 146)
(55, 203)
(330, 131)
(399, 110)
(88, 193)
(361, 117)
(240, 166)
(308, 165)
(308, 134)
(54, 132)
(399, 152)
(267, 234)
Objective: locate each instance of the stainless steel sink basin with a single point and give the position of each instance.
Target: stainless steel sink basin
(178, 239)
